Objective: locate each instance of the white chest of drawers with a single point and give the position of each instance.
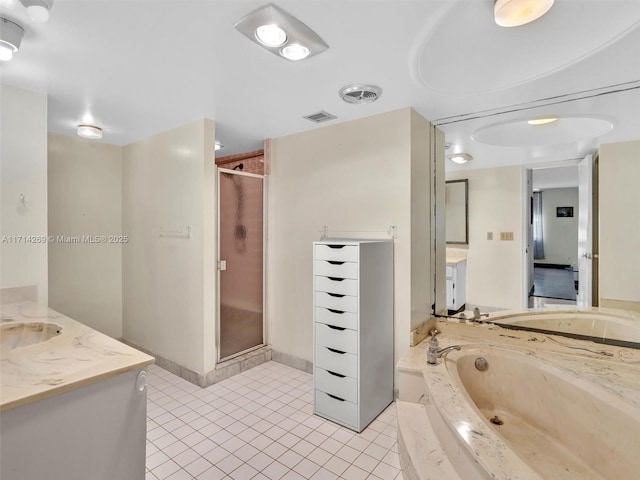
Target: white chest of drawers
(456, 273)
(353, 330)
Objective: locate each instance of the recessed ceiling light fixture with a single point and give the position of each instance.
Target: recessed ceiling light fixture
(218, 145)
(542, 121)
(281, 33)
(514, 13)
(10, 38)
(38, 10)
(460, 157)
(92, 132)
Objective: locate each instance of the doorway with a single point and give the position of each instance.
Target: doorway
(240, 326)
(554, 230)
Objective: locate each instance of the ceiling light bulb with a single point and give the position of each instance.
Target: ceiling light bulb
(6, 52)
(90, 131)
(542, 121)
(218, 145)
(295, 52)
(460, 157)
(271, 35)
(38, 13)
(513, 13)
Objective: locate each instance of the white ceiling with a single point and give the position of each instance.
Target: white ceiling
(143, 66)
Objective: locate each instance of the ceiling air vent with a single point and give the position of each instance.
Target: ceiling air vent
(360, 93)
(320, 117)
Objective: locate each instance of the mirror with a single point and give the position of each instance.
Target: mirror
(501, 188)
(457, 211)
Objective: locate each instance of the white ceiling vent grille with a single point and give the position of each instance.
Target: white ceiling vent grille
(320, 117)
(360, 93)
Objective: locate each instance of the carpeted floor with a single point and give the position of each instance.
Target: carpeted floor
(554, 283)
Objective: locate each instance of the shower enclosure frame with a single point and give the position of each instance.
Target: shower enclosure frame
(220, 171)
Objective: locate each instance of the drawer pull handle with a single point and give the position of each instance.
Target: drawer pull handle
(339, 352)
(336, 328)
(335, 246)
(335, 279)
(333, 262)
(337, 295)
(335, 374)
(336, 398)
(339, 312)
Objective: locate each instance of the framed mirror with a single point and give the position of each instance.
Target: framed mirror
(457, 212)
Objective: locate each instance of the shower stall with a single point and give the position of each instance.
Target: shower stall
(240, 326)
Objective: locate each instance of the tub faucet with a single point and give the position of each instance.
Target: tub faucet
(477, 316)
(433, 354)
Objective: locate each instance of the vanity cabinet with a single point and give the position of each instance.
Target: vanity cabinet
(456, 275)
(353, 330)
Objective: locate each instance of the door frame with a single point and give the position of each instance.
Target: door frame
(220, 171)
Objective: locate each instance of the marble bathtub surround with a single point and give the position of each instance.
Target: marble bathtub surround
(78, 356)
(570, 382)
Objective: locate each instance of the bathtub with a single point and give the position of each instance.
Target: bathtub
(603, 327)
(526, 418)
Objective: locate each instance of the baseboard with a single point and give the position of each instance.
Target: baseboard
(292, 361)
(222, 371)
(558, 266)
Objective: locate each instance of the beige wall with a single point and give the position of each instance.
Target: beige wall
(23, 171)
(619, 205)
(85, 199)
(494, 267)
(354, 176)
(169, 283)
(560, 234)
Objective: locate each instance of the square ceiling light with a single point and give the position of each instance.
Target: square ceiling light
(281, 33)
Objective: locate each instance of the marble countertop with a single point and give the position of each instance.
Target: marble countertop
(78, 356)
(453, 260)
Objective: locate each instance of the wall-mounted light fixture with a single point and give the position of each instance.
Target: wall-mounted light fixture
(10, 38)
(92, 132)
(513, 13)
(38, 10)
(218, 145)
(460, 157)
(281, 33)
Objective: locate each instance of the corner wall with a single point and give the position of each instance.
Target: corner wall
(85, 199)
(169, 286)
(560, 234)
(23, 171)
(494, 267)
(352, 177)
(619, 204)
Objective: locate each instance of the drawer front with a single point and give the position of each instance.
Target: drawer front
(336, 384)
(339, 253)
(336, 361)
(338, 318)
(337, 270)
(344, 286)
(449, 271)
(344, 303)
(342, 340)
(343, 412)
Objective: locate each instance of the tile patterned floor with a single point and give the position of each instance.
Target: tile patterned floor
(259, 425)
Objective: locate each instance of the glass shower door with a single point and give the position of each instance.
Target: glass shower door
(241, 248)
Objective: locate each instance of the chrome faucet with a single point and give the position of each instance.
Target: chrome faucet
(433, 354)
(477, 316)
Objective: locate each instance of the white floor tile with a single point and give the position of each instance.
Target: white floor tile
(259, 425)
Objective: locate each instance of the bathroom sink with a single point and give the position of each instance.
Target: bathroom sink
(17, 335)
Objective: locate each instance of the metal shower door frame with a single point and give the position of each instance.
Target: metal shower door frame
(220, 171)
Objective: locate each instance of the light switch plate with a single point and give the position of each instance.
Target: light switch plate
(506, 235)
(489, 235)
